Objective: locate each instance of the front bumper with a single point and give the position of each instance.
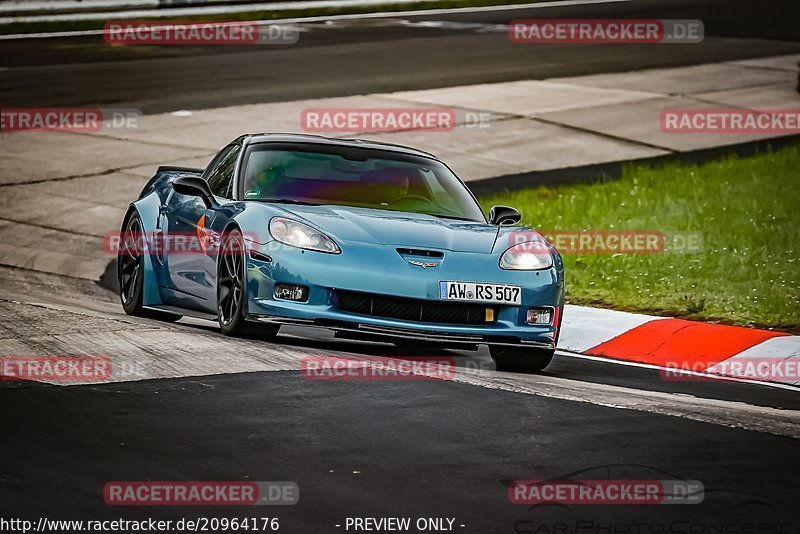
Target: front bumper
(380, 270)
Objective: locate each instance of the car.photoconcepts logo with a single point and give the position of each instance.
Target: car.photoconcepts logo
(627, 493)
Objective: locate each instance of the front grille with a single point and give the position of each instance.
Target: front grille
(424, 311)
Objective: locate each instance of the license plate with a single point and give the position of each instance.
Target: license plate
(477, 292)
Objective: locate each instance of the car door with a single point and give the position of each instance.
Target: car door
(192, 260)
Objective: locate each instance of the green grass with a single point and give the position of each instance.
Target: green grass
(747, 208)
(60, 26)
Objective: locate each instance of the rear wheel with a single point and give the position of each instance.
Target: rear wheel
(130, 264)
(520, 359)
(232, 291)
(130, 272)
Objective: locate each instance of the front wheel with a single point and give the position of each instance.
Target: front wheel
(232, 290)
(521, 359)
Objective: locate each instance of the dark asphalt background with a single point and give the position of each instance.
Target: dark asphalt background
(370, 56)
(376, 449)
(438, 449)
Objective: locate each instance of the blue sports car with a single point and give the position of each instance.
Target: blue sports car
(372, 240)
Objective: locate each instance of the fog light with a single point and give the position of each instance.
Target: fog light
(540, 315)
(289, 292)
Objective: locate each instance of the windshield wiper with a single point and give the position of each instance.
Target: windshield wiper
(448, 217)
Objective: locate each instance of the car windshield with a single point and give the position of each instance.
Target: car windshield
(364, 178)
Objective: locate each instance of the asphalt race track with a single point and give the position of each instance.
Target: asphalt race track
(395, 54)
(372, 449)
(199, 406)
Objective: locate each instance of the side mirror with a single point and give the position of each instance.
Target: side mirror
(194, 186)
(504, 215)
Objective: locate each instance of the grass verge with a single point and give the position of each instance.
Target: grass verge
(748, 271)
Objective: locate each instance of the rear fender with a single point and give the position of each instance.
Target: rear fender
(148, 208)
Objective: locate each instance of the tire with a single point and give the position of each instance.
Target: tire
(232, 291)
(130, 273)
(130, 267)
(521, 359)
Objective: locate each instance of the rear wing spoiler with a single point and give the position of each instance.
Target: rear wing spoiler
(164, 174)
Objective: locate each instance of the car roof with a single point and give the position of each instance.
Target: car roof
(248, 139)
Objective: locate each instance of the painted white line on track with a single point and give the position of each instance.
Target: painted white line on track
(732, 414)
(200, 11)
(784, 348)
(584, 327)
(350, 16)
(30, 6)
(143, 350)
(687, 372)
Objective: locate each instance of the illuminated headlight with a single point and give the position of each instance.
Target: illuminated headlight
(297, 234)
(529, 256)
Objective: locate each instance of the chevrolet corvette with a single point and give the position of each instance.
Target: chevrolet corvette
(371, 240)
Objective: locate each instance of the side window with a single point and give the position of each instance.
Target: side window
(221, 173)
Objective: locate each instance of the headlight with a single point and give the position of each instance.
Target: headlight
(297, 234)
(529, 256)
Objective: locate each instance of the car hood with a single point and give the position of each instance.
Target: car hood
(344, 223)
